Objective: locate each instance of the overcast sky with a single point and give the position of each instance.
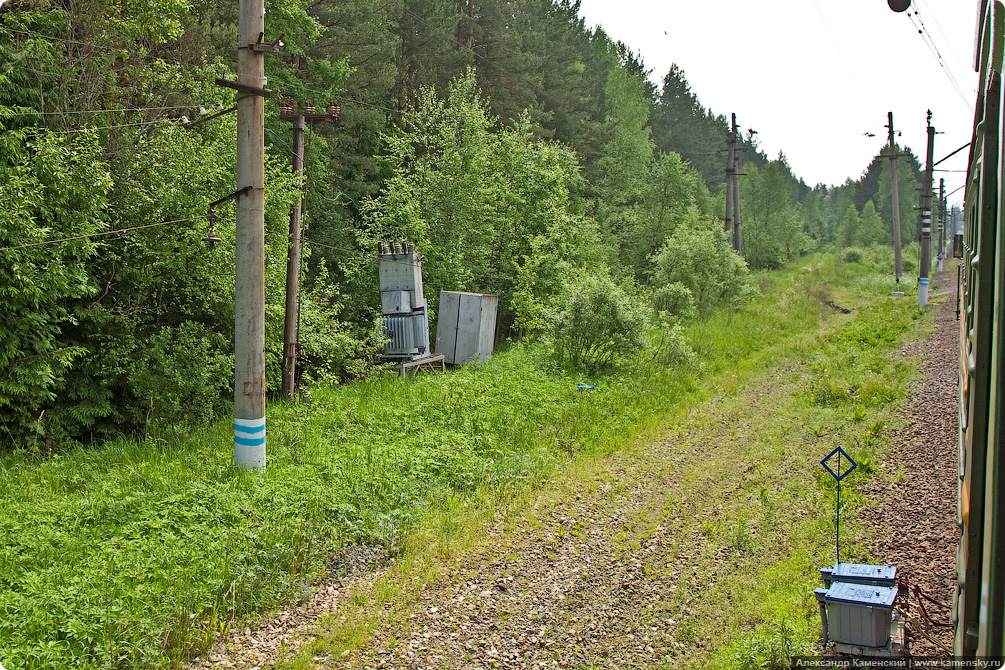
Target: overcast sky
(812, 77)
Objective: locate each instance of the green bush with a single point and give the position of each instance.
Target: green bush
(675, 299)
(181, 377)
(597, 323)
(696, 257)
(853, 255)
(670, 345)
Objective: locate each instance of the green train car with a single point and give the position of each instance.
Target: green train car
(979, 606)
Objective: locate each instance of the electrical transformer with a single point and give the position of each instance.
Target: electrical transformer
(403, 321)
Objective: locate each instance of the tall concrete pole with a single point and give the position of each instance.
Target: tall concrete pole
(942, 223)
(737, 240)
(895, 196)
(293, 268)
(249, 294)
(925, 220)
(730, 153)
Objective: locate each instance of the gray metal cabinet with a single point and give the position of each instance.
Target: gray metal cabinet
(466, 326)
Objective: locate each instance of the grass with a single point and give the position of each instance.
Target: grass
(745, 598)
(135, 554)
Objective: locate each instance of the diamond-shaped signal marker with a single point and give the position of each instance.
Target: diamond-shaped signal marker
(838, 452)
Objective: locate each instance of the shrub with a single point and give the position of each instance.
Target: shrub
(596, 322)
(181, 377)
(696, 257)
(675, 299)
(853, 255)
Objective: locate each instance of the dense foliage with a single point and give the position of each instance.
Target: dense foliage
(136, 553)
(516, 147)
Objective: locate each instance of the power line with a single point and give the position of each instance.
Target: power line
(89, 129)
(926, 37)
(102, 111)
(61, 39)
(101, 234)
(845, 61)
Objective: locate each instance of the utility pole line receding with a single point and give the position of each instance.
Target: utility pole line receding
(925, 220)
(895, 197)
(249, 293)
(290, 343)
(737, 240)
(942, 223)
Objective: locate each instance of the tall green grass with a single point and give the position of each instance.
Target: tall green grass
(135, 553)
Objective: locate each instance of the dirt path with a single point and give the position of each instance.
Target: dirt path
(612, 568)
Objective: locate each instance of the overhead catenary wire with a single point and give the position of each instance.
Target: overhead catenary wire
(949, 42)
(926, 37)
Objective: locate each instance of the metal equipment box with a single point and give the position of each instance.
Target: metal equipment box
(859, 614)
(403, 322)
(401, 271)
(860, 573)
(466, 326)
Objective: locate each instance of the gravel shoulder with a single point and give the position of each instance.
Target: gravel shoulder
(632, 560)
(912, 521)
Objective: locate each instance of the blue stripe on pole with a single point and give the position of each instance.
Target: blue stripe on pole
(249, 432)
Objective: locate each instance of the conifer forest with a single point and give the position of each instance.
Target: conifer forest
(524, 154)
(655, 394)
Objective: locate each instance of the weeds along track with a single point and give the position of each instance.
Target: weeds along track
(911, 521)
(698, 548)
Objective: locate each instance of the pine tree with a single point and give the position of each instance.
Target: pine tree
(872, 228)
(850, 234)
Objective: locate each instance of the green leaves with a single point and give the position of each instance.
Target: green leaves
(697, 269)
(489, 207)
(597, 323)
(58, 192)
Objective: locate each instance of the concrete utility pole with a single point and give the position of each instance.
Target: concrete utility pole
(925, 220)
(291, 345)
(730, 176)
(249, 294)
(895, 197)
(942, 223)
(293, 267)
(737, 240)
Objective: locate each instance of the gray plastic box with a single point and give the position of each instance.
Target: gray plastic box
(859, 613)
(860, 573)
